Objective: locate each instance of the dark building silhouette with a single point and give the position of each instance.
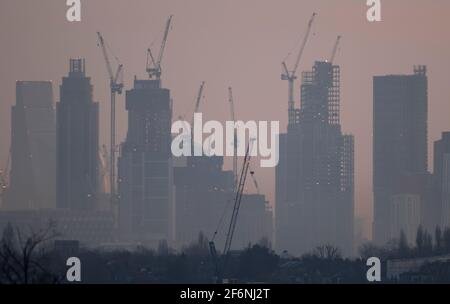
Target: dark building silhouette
(442, 179)
(33, 153)
(399, 139)
(145, 169)
(204, 199)
(77, 141)
(414, 203)
(202, 191)
(314, 177)
(255, 221)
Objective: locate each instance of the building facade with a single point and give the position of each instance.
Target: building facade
(77, 141)
(33, 150)
(145, 167)
(202, 192)
(442, 178)
(405, 216)
(255, 221)
(314, 177)
(399, 139)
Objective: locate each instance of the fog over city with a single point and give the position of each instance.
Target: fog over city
(238, 43)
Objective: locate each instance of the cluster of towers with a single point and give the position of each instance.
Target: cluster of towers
(155, 197)
(58, 170)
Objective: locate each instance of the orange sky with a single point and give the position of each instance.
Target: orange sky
(238, 43)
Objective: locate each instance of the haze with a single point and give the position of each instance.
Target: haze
(233, 43)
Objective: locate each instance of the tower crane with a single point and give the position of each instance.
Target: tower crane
(233, 118)
(196, 109)
(335, 48)
(255, 182)
(290, 76)
(221, 267)
(153, 67)
(116, 86)
(197, 102)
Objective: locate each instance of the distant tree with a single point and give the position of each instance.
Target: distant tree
(327, 252)
(419, 240)
(438, 240)
(265, 242)
(163, 248)
(200, 247)
(446, 240)
(403, 247)
(427, 244)
(21, 256)
(367, 250)
(257, 263)
(424, 242)
(388, 251)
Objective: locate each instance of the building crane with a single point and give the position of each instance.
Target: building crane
(233, 118)
(154, 65)
(116, 86)
(255, 182)
(197, 102)
(196, 109)
(221, 267)
(335, 48)
(290, 76)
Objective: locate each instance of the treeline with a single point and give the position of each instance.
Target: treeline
(27, 258)
(426, 244)
(30, 258)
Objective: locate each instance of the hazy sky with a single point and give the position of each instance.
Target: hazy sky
(238, 43)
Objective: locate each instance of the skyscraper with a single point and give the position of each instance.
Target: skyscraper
(145, 169)
(442, 179)
(314, 187)
(32, 147)
(405, 216)
(77, 141)
(399, 139)
(202, 190)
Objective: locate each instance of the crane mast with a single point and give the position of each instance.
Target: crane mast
(196, 109)
(220, 268)
(233, 118)
(290, 76)
(197, 102)
(154, 67)
(116, 86)
(335, 48)
(237, 200)
(255, 182)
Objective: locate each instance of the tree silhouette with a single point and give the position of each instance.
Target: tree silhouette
(327, 252)
(403, 247)
(419, 240)
(21, 257)
(257, 263)
(446, 240)
(438, 240)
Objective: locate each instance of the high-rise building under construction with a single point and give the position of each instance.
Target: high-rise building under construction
(145, 170)
(314, 177)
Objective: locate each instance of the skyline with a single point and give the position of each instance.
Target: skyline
(221, 70)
